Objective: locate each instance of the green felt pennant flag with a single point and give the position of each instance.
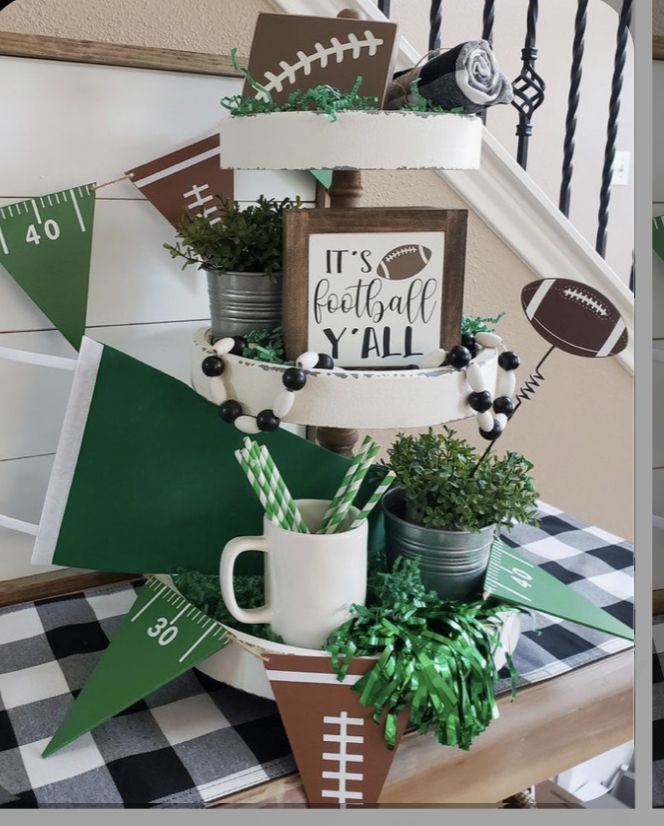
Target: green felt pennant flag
(145, 479)
(512, 578)
(45, 245)
(163, 636)
(658, 235)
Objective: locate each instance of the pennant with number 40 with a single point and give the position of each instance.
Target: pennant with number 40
(45, 245)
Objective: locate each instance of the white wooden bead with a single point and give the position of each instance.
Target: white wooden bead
(218, 390)
(223, 346)
(246, 424)
(307, 361)
(506, 383)
(475, 378)
(434, 359)
(501, 418)
(485, 420)
(283, 403)
(488, 339)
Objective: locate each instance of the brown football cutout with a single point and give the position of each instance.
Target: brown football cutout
(403, 262)
(339, 750)
(574, 317)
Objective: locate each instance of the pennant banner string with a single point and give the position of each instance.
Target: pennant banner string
(128, 176)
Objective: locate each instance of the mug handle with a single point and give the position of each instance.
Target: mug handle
(231, 551)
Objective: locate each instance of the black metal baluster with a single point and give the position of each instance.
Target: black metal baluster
(435, 24)
(612, 128)
(488, 20)
(528, 87)
(573, 105)
(384, 6)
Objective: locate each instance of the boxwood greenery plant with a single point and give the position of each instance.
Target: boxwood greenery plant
(445, 489)
(247, 239)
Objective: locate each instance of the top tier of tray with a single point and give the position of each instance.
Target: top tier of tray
(354, 140)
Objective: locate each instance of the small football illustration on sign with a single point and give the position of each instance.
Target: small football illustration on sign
(404, 262)
(574, 317)
(291, 52)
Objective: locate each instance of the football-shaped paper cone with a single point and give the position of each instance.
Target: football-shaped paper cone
(340, 752)
(404, 262)
(574, 317)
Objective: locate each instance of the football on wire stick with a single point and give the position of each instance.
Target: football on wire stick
(574, 317)
(404, 262)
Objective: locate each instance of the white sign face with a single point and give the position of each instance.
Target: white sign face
(375, 298)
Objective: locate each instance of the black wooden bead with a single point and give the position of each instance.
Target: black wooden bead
(480, 402)
(503, 404)
(468, 341)
(494, 433)
(267, 421)
(230, 410)
(509, 360)
(459, 357)
(240, 345)
(294, 379)
(324, 362)
(212, 366)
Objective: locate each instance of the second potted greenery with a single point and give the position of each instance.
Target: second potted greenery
(447, 508)
(242, 255)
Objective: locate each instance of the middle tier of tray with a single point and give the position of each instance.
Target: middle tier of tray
(405, 398)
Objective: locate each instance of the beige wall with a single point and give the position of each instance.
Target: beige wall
(578, 430)
(658, 17)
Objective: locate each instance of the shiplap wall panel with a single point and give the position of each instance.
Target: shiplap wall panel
(65, 124)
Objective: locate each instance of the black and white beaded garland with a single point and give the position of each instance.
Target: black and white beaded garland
(491, 413)
(268, 420)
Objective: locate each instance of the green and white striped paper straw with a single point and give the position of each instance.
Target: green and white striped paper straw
(375, 498)
(282, 493)
(270, 480)
(275, 504)
(350, 485)
(261, 492)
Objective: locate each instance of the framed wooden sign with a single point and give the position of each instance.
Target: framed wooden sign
(373, 287)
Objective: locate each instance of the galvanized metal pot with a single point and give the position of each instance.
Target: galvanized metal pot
(452, 563)
(243, 301)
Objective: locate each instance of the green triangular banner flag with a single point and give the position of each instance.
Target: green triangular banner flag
(163, 636)
(45, 245)
(512, 578)
(658, 235)
(145, 479)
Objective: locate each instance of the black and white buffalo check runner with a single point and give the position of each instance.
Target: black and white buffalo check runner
(195, 740)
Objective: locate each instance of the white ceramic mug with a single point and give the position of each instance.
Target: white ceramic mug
(311, 580)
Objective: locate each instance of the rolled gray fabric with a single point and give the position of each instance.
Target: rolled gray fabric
(466, 77)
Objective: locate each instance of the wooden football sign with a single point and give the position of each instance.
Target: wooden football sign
(373, 288)
(291, 52)
(340, 751)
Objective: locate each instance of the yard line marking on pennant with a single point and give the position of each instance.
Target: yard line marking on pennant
(38, 217)
(196, 644)
(77, 210)
(3, 243)
(148, 604)
(519, 559)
